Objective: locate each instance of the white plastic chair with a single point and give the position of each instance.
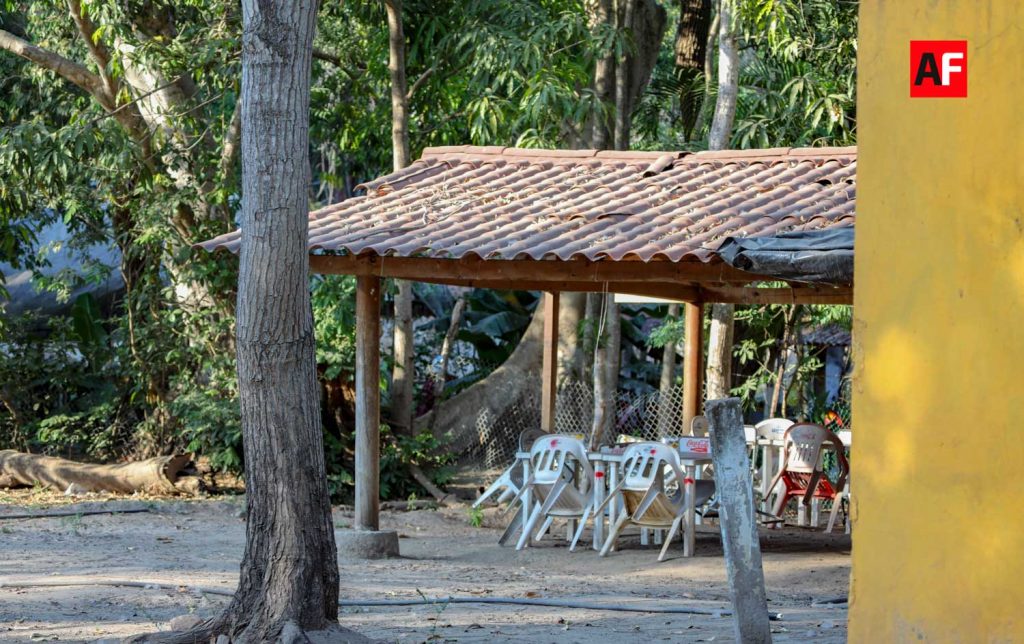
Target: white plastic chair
(647, 500)
(511, 480)
(768, 430)
(560, 480)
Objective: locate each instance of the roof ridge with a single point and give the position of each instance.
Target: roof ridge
(448, 151)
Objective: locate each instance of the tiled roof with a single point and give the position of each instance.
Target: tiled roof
(510, 203)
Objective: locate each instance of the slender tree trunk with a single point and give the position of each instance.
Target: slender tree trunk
(402, 375)
(709, 66)
(399, 102)
(668, 379)
(604, 79)
(728, 79)
(623, 107)
(289, 572)
(719, 369)
(606, 370)
(690, 50)
(570, 346)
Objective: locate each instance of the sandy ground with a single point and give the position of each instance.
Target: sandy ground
(199, 543)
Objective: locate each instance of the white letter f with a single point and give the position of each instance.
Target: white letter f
(947, 68)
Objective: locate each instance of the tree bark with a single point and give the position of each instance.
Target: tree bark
(606, 371)
(399, 102)
(289, 571)
(690, 52)
(719, 372)
(728, 79)
(403, 369)
(158, 475)
(571, 310)
(402, 374)
(494, 394)
(668, 380)
(719, 367)
(604, 80)
(623, 104)
(709, 65)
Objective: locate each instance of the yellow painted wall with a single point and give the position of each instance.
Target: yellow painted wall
(938, 463)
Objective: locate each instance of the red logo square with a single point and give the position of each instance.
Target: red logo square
(938, 69)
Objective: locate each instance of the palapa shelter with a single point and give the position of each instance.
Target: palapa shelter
(644, 223)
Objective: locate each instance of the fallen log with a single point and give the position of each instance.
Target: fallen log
(160, 475)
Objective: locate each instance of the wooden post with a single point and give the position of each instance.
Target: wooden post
(735, 492)
(367, 475)
(693, 371)
(549, 376)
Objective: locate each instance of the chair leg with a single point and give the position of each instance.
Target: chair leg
(579, 530)
(780, 503)
(837, 503)
(513, 525)
(671, 535)
(621, 523)
(544, 527)
(504, 481)
(531, 523)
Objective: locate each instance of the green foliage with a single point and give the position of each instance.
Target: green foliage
(211, 424)
(55, 400)
(475, 516)
(334, 315)
(397, 452)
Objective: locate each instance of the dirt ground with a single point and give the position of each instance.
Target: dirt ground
(199, 543)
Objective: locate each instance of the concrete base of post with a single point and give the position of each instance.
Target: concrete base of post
(367, 544)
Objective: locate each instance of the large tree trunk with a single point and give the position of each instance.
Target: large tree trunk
(493, 395)
(289, 571)
(719, 369)
(402, 375)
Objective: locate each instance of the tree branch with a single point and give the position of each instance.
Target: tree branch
(97, 49)
(66, 69)
(419, 81)
(328, 57)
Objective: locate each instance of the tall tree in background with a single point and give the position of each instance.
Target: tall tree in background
(289, 572)
(719, 368)
(402, 376)
(690, 49)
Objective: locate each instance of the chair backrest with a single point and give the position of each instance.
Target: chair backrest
(773, 428)
(699, 426)
(643, 464)
(528, 437)
(803, 447)
(554, 456)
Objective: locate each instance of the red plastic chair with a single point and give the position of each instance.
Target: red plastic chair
(801, 475)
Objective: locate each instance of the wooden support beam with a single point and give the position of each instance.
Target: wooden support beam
(478, 274)
(803, 294)
(426, 269)
(367, 474)
(693, 363)
(549, 375)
